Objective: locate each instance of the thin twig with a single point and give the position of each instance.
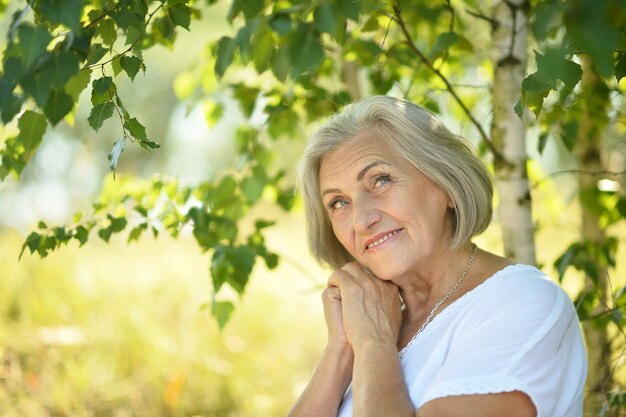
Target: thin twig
(497, 155)
(444, 55)
(391, 19)
(493, 22)
(577, 171)
(140, 37)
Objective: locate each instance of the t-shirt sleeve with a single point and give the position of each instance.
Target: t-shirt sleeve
(523, 336)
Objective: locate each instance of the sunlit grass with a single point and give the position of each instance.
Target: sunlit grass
(119, 330)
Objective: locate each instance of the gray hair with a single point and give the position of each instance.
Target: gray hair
(418, 136)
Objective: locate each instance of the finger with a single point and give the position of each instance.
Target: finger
(356, 270)
(339, 278)
(331, 293)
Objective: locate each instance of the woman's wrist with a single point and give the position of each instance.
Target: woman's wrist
(369, 348)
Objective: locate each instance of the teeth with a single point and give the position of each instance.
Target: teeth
(382, 239)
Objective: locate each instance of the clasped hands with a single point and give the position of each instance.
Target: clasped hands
(361, 308)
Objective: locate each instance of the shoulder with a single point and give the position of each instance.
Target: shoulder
(522, 294)
(525, 283)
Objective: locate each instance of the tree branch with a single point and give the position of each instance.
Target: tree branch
(492, 22)
(497, 155)
(140, 37)
(577, 171)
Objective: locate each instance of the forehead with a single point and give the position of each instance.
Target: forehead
(354, 154)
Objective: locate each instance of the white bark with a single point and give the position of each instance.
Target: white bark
(508, 132)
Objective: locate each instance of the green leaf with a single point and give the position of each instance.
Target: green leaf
(13, 67)
(225, 53)
(65, 12)
(569, 131)
(37, 84)
(262, 48)
(180, 15)
(326, 18)
(62, 66)
(535, 83)
(220, 268)
(213, 112)
(11, 106)
(242, 259)
(131, 64)
(33, 42)
(349, 8)
(253, 185)
(117, 223)
(102, 85)
(286, 199)
(99, 114)
(107, 31)
(621, 207)
(134, 35)
(136, 129)
(260, 224)
(553, 66)
(250, 8)
(243, 40)
(281, 23)
(81, 234)
(126, 19)
(96, 53)
(135, 234)
(252, 188)
(78, 83)
(447, 40)
(281, 63)
(224, 192)
(105, 234)
(305, 51)
(541, 143)
(164, 31)
(32, 243)
(32, 126)
(116, 66)
(58, 106)
(546, 19)
(222, 310)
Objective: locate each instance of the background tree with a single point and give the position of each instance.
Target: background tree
(296, 62)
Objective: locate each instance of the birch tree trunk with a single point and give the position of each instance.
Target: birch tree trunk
(508, 132)
(593, 120)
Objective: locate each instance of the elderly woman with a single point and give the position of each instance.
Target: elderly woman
(420, 321)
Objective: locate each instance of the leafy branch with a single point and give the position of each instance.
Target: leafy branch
(498, 157)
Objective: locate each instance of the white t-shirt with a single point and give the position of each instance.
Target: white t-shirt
(517, 331)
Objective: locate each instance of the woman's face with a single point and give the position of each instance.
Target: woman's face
(386, 213)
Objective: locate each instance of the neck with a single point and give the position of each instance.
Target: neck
(423, 289)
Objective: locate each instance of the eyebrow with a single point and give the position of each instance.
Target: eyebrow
(371, 165)
(359, 176)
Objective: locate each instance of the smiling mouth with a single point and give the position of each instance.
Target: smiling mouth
(382, 239)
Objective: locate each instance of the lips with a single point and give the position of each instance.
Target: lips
(378, 239)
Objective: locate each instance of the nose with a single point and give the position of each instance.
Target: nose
(366, 216)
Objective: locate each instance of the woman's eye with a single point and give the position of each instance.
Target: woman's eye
(336, 204)
(381, 180)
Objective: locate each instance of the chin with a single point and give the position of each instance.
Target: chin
(385, 273)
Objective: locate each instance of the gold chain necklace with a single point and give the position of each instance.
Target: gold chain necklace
(443, 300)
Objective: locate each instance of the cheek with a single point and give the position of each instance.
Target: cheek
(343, 232)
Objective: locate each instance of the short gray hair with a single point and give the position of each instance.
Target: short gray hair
(419, 137)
